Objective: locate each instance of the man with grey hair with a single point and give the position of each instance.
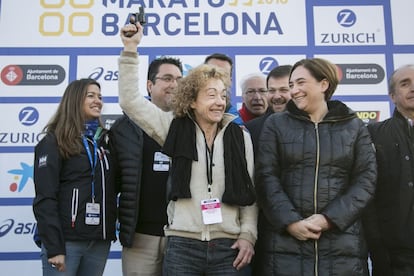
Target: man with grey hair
(389, 220)
(254, 94)
(278, 96)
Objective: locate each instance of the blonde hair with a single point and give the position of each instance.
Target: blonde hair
(189, 87)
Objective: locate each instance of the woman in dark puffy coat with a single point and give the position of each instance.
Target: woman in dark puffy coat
(315, 173)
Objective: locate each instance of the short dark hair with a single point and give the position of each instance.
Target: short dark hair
(220, 56)
(320, 69)
(156, 63)
(279, 72)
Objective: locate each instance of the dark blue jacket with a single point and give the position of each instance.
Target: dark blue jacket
(128, 143)
(64, 187)
(142, 198)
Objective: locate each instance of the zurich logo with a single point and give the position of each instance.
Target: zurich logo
(5, 227)
(267, 64)
(346, 18)
(28, 116)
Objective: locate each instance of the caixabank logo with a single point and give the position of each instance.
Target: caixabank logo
(36, 74)
(21, 176)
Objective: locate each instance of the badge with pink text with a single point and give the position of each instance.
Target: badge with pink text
(211, 211)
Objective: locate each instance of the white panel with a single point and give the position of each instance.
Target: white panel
(349, 25)
(402, 17)
(170, 23)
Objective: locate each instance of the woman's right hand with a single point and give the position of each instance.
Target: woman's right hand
(304, 230)
(131, 41)
(58, 262)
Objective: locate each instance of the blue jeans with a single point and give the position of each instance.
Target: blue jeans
(83, 258)
(185, 256)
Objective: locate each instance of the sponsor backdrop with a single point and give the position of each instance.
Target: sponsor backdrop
(45, 44)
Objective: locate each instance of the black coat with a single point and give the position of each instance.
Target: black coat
(128, 142)
(390, 221)
(305, 168)
(255, 127)
(64, 186)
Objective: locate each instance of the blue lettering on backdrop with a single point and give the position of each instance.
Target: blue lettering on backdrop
(100, 72)
(20, 137)
(195, 24)
(347, 38)
(110, 24)
(162, 3)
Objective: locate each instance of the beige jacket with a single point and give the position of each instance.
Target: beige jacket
(184, 215)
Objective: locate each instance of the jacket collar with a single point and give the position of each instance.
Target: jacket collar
(337, 111)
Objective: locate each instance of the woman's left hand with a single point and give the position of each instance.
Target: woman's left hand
(246, 252)
(319, 220)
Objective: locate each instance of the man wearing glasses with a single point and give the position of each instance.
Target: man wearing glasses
(278, 94)
(254, 94)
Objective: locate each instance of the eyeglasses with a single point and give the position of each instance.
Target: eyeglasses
(168, 79)
(251, 92)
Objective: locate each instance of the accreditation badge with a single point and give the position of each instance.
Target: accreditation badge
(93, 214)
(211, 211)
(161, 162)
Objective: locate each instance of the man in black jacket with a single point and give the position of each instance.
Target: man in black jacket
(143, 177)
(389, 221)
(226, 63)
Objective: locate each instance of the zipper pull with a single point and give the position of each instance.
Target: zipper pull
(75, 202)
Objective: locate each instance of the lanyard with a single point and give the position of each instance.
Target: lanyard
(92, 162)
(209, 167)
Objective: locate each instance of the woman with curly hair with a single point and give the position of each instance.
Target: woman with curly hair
(211, 212)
